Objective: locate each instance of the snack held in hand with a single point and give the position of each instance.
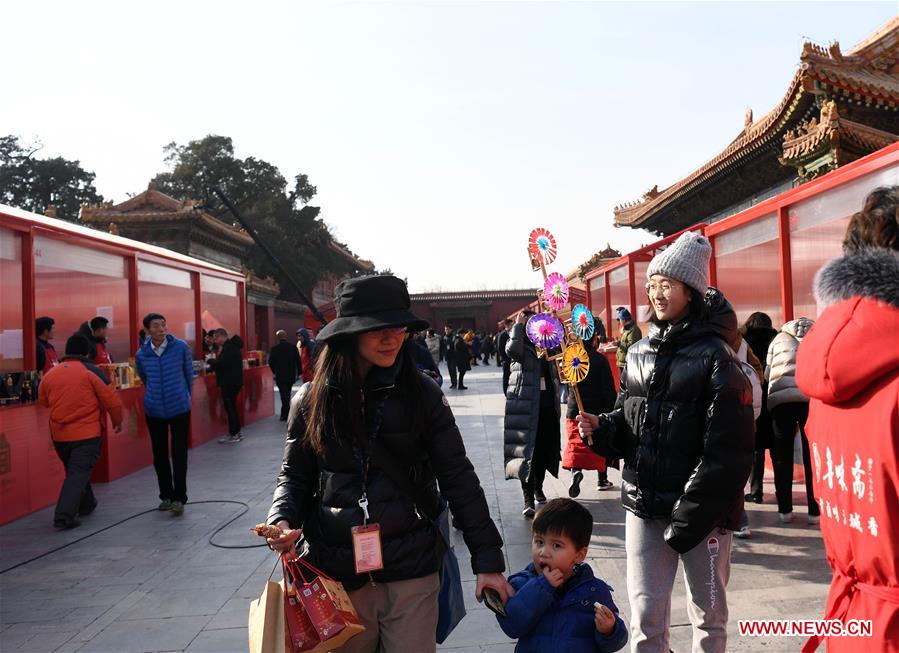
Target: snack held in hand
(267, 530)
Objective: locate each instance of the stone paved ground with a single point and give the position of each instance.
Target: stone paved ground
(154, 583)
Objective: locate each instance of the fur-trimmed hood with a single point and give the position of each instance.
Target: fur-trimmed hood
(852, 346)
(870, 273)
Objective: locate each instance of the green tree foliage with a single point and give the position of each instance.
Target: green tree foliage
(30, 183)
(291, 228)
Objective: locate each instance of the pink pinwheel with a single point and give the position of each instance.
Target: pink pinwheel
(542, 243)
(582, 322)
(545, 331)
(555, 291)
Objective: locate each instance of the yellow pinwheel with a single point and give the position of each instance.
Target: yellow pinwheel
(575, 363)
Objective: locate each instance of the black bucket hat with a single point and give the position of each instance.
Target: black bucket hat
(371, 303)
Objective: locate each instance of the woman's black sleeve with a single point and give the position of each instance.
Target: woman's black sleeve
(459, 484)
(298, 479)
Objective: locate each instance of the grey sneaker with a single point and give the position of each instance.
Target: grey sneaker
(165, 505)
(744, 533)
(230, 439)
(177, 507)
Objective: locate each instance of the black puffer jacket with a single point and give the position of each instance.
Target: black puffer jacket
(683, 424)
(320, 493)
(523, 404)
(228, 367)
(462, 354)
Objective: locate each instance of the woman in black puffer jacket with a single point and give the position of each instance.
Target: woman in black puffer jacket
(531, 436)
(683, 424)
(369, 403)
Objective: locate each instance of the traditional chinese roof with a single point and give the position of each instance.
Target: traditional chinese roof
(865, 83)
(154, 207)
(361, 264)
(842, 139)
(599, 259)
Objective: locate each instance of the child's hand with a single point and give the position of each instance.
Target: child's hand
(603, 618)
(554, 577)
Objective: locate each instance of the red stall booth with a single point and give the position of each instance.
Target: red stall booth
(72, 273)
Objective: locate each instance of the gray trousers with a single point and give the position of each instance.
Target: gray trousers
(398, 617)
(651, 567)
(76, 495)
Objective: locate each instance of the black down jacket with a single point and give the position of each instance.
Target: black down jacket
(320, 493)
(683, 425)
(523, 404)
(228, 367)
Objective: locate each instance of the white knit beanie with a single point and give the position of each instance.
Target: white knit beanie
(686, 259)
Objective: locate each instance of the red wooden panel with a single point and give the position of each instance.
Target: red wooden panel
(129, 451)
(612, 356)
(31, 473)
(208, 419)
(207, 415)
(258, 394)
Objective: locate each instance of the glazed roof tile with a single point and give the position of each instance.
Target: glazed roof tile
(870, 70)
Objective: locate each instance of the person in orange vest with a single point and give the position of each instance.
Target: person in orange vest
(99, 327)
(46, 353)
(75, 391)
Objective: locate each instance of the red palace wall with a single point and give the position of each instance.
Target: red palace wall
(479, 313)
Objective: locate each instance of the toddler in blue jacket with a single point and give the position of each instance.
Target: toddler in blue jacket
(559, 605)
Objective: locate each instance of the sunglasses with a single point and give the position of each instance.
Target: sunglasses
(393, 331)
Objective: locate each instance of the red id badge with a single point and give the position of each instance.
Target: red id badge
(367, 548)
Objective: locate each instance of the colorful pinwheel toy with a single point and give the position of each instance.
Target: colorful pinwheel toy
(543, 244)
(582, 322)
(555, 291)
(575, 363)
(545, 331)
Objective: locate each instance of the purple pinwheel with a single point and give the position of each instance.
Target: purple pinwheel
(582, 322)
(545, 331)
(555, 291)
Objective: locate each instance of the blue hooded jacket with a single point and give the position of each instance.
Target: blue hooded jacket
(544, 619)
(168, 379)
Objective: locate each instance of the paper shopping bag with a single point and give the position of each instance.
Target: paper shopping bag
(266, 627)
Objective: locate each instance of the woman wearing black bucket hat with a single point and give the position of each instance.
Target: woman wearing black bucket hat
(368, 412)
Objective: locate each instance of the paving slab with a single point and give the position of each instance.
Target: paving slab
(132, 579)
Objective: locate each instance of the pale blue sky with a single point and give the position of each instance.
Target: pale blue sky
(438, 134)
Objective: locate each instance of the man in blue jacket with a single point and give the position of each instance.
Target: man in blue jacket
(165, 365)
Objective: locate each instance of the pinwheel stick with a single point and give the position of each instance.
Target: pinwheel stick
(580, 407)
(542, 264)
(577, 398)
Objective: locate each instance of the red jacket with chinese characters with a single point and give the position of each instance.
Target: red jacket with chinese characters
(848, 365)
